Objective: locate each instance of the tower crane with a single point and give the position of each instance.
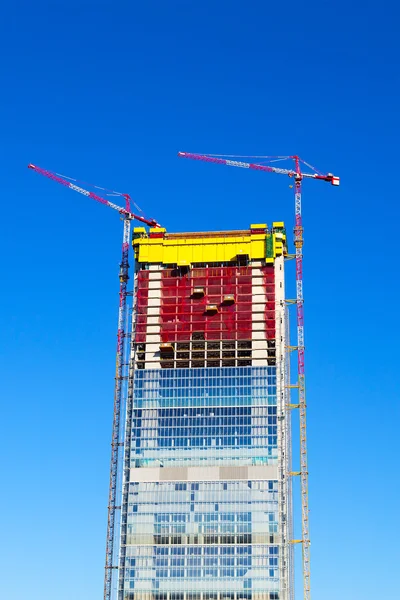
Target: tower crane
(298, 175)
(127, 216)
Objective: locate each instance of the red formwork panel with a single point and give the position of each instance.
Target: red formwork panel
(142, 295)
(269, 284)
(182, 314)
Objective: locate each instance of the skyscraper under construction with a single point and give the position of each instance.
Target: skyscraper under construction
(206, 497)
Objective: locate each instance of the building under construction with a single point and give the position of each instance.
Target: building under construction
(200, 499)
(206, 498)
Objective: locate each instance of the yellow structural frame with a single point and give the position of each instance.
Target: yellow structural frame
(187, 249)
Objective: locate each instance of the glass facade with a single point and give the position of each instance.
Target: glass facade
(190, 417)
(187, 536)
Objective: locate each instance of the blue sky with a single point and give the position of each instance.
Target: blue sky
(109, 92)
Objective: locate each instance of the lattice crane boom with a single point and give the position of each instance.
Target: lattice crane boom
(128, 216)
(259, 167)
(298, 175)
(67, 182)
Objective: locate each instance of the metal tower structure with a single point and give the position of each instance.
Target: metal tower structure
(298, 175)
(116, 442)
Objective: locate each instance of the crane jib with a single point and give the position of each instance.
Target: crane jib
(267, 168)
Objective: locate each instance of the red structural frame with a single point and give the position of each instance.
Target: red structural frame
(182, 314)
(141, 306)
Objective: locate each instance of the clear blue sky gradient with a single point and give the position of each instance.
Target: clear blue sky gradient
(109, 92)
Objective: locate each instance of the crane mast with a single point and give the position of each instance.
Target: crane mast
(298, 243)
(119, 400)
(116, 443)
(297, 174)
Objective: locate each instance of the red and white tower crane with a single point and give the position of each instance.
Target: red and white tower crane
(298, 175)
(116, 443)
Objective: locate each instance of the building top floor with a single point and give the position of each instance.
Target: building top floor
(259, 242)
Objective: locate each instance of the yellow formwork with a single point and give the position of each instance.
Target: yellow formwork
(187, 249)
